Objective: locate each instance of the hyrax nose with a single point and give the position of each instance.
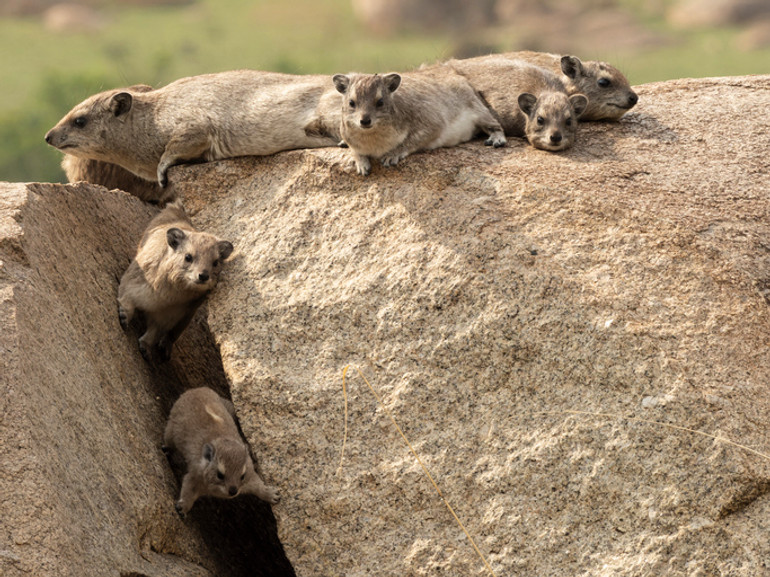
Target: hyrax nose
(366, 121)
(556, 137)
(204, 276)
(632, 99)
(232, 491)
(48, 136)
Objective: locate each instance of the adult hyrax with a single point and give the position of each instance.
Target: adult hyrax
(208, 117)
(201, 427)
(609, 94)
(390, 116)
(528, 100)
(175, 267)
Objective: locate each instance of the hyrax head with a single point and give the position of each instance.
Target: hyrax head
(225, 464)
(93, 127)
(367, 98)
(609, 94)
(195, 258)
(551, 118)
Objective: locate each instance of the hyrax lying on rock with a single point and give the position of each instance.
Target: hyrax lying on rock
(202, 428)
(527, 100)
(174, 269)
(609, 94)
(389, 117)
(208, 117)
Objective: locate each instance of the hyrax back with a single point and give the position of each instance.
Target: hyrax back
(207, 117)
(390, 116)
(202, 429)
(609, 94)
(175, 267)
(528, 100)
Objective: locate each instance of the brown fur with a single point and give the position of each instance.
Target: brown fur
(389, 117)
(174, 269)
(201, 427)
(528, 100)
(113, 176)
(609, 94)
(208, 117)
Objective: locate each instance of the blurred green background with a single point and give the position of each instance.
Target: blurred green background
(55, 55)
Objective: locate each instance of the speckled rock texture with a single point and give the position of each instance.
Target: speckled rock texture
(576, 345)
(84, 488)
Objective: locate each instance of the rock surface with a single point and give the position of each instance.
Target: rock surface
(575, 344)
(84, 487)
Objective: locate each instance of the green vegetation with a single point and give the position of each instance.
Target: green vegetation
(44, 73)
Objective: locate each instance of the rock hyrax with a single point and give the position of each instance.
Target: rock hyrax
(208, 117)
(388, 117)
(528, 100)
(609, 94)
(174, 269)
(201, 427)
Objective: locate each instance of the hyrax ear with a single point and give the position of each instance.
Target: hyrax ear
(175, 236)
(225, 249)
(527, 102)
(121, 103)
(341, 83)
(579, 103)
(208, 452)
(392, 81)
(571, 66)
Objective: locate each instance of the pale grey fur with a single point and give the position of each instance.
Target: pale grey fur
(391, 116)
(207, 117)
(175, 267)
(201, 427)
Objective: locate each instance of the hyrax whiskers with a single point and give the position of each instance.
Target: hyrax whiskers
(609, 94)
(528, 100)
(201, 427)
(390, 116)
(207, 117)
(175, 267)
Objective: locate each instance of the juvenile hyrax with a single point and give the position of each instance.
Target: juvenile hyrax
(528, 100)
(208, 117)
(201, 427)
(174, 269)
(389, 117)
(609, 94)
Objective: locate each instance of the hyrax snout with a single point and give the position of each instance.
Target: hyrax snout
(175, 267)
(201, 426)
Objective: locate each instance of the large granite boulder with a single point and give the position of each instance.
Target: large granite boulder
(575, 344)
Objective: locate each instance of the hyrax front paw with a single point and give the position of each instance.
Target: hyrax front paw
(363, 166)
(393, 159)
(271, 495)
(496, 140)
(180, 509)
(123, 319)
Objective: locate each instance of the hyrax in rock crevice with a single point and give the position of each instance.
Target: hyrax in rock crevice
(528, 100)
(201, 427)
(200, 118)
(390, 116)
(609, 94)
(174, 269)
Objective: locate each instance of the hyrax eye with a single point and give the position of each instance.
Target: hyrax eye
(604, 82)
(352, 103)
(379, 103)
(215, 263)
(568, 122)
(220, 475)
(188, 257)
(80, 121)
(243, 476)
(540, 121)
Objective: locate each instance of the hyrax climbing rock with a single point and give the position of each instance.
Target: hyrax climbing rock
(528, 100)
(390, 116)
(175, 267)
(200, 118)
(609, 94)
(201, 427)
